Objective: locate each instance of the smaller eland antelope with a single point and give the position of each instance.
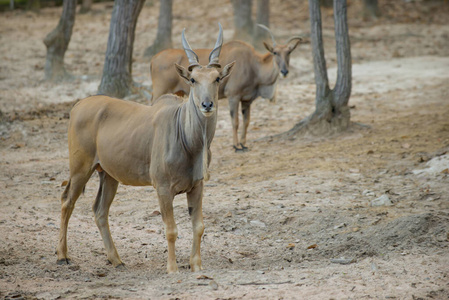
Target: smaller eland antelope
(255, 75)
(166, 145)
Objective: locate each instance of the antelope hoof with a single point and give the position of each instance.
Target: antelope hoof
(63, 261)
(172, 270)
(121, 267)
(243, 149)
(196, 268)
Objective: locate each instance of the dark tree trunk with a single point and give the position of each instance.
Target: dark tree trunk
(164, 28)
(117, 80)
(243, 23)
(262, 17)
(331, 106)
(371, 9)
(57, 42)
(86, 6)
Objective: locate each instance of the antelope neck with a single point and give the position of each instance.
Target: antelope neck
(194, 127)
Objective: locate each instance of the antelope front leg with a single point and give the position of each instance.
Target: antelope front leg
(195, 204)
(171, 230)
(234, 111)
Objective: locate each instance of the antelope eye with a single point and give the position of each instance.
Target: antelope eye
(218, 79)
(192, 80)
(275, 53)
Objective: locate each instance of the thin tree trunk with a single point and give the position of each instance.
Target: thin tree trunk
(262, 17)
(164, 28)
(319, 61)
(343, 86)
(86, 6)
(117, 80)
(243, 23)
(57, 42)
(331, 106)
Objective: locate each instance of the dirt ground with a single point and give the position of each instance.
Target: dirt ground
(290, 219)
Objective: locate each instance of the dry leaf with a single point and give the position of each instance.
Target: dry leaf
(291, 246)
(155, 213)
(204, 277)
(312, 246)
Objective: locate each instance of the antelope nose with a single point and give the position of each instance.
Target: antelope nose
(207, 105)
(284, 72)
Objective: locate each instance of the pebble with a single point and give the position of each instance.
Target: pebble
(383, 200)
(213, 285)
(258, 223)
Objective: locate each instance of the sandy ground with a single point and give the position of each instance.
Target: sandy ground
(290, 219)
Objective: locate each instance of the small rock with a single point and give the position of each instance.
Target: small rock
(374, 267)
(213, 285)
(383, 200)
(368, 193)
(340, 225)
(258, 223)
(343, 261)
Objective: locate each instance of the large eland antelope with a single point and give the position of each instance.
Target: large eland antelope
(166, 145)
(255, 75)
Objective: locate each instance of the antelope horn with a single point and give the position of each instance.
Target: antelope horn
(294, 38)
(215, 53)
(269, 31)
(191, 55)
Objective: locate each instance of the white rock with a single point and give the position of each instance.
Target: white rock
(258, 223)
(383, 200)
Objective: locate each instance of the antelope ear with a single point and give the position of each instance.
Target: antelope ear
(226, 70)
(293, 44)
(268, 47)
(183, 73)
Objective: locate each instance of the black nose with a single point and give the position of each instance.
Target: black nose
(284, 72)
(207, 105)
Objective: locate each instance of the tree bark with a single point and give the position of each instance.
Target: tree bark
(331, 105)
(262, 17)
(164, 28)
(243, 22)
(343, 86)
(86, 6)
(57, 42)
(117, 80)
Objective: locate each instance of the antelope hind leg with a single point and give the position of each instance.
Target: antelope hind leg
(246, 113)
(106, 193)
(68, 199)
